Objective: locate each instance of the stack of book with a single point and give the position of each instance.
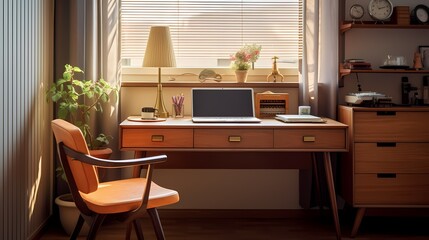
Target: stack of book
(401, 15)
(357, 64)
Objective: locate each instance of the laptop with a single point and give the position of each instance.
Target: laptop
(223, 105)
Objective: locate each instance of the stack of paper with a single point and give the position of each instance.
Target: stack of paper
(300, 118)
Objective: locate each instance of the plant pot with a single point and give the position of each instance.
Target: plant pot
(69, 214)
(103, 153)
(241, 76)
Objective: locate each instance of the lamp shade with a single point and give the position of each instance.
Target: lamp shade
(159, 49)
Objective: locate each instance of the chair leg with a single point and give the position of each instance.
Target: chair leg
(77, 228)
(128, 232)
(138, 226)
(95, 226)
(156, 222)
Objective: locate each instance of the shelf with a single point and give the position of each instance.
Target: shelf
(372, 25)
(345, 72)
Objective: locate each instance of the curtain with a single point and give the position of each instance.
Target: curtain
(87, 36)
(319, 68)
(318, 80)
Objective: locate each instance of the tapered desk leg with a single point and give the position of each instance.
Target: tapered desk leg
(331, 189)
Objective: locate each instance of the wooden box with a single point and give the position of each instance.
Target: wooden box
(268, 104)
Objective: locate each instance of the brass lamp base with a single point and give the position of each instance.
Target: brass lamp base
(159, 104)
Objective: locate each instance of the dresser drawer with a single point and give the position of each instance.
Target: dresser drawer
(157, 138)
(394, 126)
(232, 138)
(310, 139)
(391, 189)
(391, 157)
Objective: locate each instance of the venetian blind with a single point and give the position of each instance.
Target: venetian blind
(206, 32)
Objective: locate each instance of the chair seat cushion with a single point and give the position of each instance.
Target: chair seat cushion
(125, 195)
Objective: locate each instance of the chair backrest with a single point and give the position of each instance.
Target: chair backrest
(85, 175)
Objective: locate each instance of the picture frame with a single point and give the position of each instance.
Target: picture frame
(424, 54)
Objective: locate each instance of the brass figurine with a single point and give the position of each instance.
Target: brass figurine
(275, 73)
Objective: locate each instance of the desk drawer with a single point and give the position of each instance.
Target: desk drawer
(232, 138)
(157, 138)
(310, 139)
(391, 126)
(393, 189)
(392, 157)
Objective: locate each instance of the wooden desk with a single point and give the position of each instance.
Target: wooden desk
(268, 136)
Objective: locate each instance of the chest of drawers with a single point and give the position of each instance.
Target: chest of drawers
(388, 160)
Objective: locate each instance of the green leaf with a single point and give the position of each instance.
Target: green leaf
(67, 76)
(77, 69)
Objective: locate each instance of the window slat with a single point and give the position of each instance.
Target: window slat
(214, 29)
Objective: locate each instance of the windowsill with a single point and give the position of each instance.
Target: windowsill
(213, 84)
(189, 76)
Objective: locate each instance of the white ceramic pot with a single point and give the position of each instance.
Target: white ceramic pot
(69, 214)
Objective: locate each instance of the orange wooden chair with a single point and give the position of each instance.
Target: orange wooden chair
(127, 199)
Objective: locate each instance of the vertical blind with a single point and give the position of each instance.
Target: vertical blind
(25, 135)
(206, 32)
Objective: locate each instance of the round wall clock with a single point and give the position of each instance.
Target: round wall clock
(420, 14)
(356, 11)
(380, 10)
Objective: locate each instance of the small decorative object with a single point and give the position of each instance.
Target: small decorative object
(304, 110)
(243, 59)
(424, 54)
(380, 10)
(178, 106)
(208, 74)
(356, 12)
(417, 61)
(275, 73)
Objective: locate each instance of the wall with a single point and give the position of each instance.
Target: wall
(25, 136)
(374, 45)
(219, 188)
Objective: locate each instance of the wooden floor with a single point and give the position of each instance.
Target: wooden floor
(316, 227)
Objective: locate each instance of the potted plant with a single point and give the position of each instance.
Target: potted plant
(243, 59)
(77, 100)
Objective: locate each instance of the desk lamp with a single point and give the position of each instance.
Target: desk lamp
(159, 53)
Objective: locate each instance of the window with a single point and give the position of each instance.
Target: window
(206, 32)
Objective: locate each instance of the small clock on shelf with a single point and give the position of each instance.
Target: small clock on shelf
(380, 10)
(356, 12)
(420, 14)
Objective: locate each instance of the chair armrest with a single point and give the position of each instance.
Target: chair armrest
(109, 163)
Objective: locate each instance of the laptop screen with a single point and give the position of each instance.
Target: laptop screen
(222, 102)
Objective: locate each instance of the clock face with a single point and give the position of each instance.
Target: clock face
(380, 9)
(356, 11)
(422, 15)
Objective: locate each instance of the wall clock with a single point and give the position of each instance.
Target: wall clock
(380, 10)
(420, 14)
(356, 12)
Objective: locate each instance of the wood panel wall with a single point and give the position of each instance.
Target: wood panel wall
(25, 135)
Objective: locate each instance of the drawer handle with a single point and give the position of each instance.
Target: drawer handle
(386, 113)
(234, 138)
(309, 139)
(157, 138)
(386, 175)
(386, 144)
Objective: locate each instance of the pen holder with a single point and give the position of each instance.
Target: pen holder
(178, 110)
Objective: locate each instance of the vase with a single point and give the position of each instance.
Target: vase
(69, 215)
(241, 76)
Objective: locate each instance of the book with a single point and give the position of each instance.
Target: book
(290, 118)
